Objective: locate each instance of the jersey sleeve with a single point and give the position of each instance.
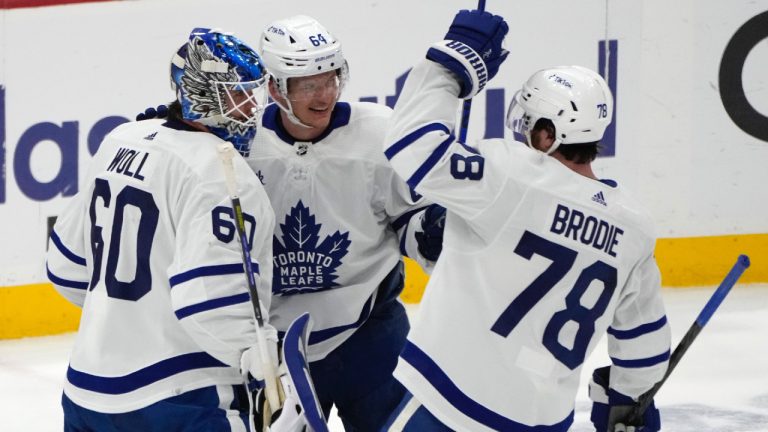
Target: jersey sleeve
(424, 151)
(66, 257)
(404, 208)
(209, 292)
(639, 336)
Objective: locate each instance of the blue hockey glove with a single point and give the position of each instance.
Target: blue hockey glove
(430, 240)
(611, 409)
(472, 49)
(150, 113)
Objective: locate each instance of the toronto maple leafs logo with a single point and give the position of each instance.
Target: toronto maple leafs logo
(302, 263)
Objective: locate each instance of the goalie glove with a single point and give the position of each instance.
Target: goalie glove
(472, 49)
(611, 409)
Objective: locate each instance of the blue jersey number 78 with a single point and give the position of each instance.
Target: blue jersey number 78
(562, 261)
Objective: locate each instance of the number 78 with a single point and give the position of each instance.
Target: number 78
(562, 261)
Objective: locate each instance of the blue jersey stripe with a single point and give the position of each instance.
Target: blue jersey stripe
(643, 362)
(468, 406)
(142, 377)
(214, 270)
(66, 252)
(64, 282)
(407, 140)
(323, 335)
(469, 149)
(405, 218)
(639, 330)
(212, 304)
(430, 163)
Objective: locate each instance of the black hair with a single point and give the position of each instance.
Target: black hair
(174, 111)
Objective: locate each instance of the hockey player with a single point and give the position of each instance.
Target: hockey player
(540, 257)
(148, 248)
(344, 220)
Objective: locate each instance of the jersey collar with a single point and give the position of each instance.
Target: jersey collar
(274, 122)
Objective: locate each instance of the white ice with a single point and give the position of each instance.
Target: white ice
(720, 385)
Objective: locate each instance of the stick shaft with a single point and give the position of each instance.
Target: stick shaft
(467, 107)
(742, 263)
(227, 153)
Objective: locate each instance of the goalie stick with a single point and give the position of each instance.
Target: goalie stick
(226, 154)
(467, 107)
(644, 401)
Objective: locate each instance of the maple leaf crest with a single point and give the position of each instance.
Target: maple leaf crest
(303, 263)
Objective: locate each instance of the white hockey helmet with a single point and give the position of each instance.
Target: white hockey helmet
(577, 100)
(300, 46)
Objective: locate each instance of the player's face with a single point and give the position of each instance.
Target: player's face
(313, 98)
(240, 105)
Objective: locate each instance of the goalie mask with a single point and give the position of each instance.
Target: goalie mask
(577, 100)
(220, 82)
(300, 46)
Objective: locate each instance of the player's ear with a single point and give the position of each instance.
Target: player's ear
(542, 139)
(274, 92)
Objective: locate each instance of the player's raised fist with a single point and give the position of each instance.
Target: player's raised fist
(472, 49)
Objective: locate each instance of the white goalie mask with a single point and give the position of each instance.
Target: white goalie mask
(300, 46)
(577, 100)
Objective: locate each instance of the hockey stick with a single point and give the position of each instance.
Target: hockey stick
(467, 103)
(742, 263)
(226, 153)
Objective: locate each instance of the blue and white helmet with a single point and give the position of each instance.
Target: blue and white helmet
(219, 82)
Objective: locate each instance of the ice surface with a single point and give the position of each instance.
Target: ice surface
(720, 385)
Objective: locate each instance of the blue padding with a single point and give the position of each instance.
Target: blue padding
(293, 346)
(212, 304)
(142, 377)
(322, 335)
(639, 330)
(215, 270)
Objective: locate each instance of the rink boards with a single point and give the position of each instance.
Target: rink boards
(690, 137)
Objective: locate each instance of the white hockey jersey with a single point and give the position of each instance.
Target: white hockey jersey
(343, 220)
(538, 263)
(148, 247)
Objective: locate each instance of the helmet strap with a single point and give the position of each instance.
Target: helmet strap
(282, 88)
(288, 110)
(554, 146)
